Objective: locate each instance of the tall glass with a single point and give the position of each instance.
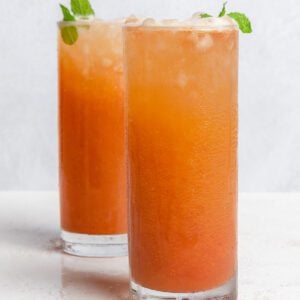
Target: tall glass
(92, 141)
(182, 143)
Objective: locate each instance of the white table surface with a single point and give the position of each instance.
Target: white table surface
(32, 265)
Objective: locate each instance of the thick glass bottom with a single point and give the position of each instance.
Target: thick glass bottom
(225, 292)
(94, 245)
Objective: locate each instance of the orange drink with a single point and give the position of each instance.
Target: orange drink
(182, 83)
(92, 140)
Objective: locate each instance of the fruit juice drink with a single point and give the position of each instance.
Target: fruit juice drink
(182, 81)
(92, 140)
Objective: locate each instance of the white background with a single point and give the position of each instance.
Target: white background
(269, 88)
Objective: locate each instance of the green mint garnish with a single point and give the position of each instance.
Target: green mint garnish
(69, 34)
(82, 9)
(241, 19)
(67, 14)
(202, 16)
(223, 11)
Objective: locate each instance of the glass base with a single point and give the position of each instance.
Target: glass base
(94, 245)
(225, 292)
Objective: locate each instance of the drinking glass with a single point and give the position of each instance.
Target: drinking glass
(182, 125)
(91, 139)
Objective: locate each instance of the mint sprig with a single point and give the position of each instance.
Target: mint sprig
(204, 15)
(81, 9)
(66, 13)
(69, 34)
(241, 19)
(223, 11)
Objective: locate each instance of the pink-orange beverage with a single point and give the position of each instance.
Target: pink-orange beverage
(92, 140)
(182, 144)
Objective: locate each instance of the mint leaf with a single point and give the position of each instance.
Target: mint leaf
(67, 14)
(242, 20)
(204, 15)
(223, 11)
(69, 34)
(82, 8)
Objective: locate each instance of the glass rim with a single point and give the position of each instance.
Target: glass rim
(183, 27)
(138, 25)
(84, 22)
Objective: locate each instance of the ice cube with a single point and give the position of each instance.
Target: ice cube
(196, 15)
(131, 19)
(204, 42)
(169, 22)
(149, 22)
